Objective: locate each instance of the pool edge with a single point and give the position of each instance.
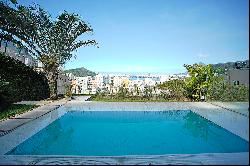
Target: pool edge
(241, 158)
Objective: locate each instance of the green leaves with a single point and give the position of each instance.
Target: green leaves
(203, 81)
(221, 90)
(199, 81)
(51, 41)
(59, 39)
(175, 88)
(20, 82)
(33, 28)
(13, 1)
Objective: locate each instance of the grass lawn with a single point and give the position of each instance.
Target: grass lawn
(15, 109)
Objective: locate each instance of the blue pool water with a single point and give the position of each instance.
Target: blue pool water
(114, 133)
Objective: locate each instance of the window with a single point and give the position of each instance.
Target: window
(236, 82)
(26, 61)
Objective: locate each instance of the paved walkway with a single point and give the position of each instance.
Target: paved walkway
(8, 125)
(45, 106)
(41, 102)
(80, 98)
(237, 107)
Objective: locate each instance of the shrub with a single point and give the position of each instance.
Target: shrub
(20, 82)
(174, 90)
(68, 90)
(224, 91)
(199, 81)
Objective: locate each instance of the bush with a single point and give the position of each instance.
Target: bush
(68, 91)
(20, 82)
(174, 90)
(199, 81)
(224, 91)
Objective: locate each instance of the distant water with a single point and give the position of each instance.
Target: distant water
(114, 133)
(143, 78)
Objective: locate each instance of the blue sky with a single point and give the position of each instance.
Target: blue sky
(157, 36)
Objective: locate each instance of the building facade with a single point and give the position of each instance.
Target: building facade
(238, 76)
(19, 54)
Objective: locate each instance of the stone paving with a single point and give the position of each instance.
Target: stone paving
(170, 159)
(8, 125)
(41, 102)
(238, 107)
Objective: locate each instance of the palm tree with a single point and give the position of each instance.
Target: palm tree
(15, 26)
(57, 42)
(50, 41)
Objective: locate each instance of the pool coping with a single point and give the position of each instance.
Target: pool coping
(7, 126)
(173, 159)
(206, 110)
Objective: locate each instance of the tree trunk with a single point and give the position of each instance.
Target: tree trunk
(52, 77)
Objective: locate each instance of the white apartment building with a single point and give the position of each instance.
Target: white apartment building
(118, 80)
(20, 54)
(149, 82)
(164, 78)
(99, 81)
(86, 85)
(92, 85)
(81, 85)
(71, 76)
(134, 86)
(111, 83)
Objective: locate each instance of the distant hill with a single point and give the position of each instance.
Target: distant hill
(232, 65)
(80, 72)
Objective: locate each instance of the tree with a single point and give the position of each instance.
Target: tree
(51, 41)
(123, 91)
(222, 90)
(147, 92)
(15, 26)
(57, 40)
(136, 90)
(200, 80)
(111, 87)
(175, 88)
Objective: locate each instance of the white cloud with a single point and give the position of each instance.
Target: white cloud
(203, 55)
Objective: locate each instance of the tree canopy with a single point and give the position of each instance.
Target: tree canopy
(200, 80)
(52, 41)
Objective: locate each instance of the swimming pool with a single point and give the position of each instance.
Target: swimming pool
(115, 133)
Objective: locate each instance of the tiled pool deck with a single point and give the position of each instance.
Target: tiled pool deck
(231, 116)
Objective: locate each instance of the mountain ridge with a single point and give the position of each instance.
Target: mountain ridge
(80, 72)
(232, 65)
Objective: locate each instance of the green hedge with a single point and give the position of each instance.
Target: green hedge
(20, 82)
(224, 91)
